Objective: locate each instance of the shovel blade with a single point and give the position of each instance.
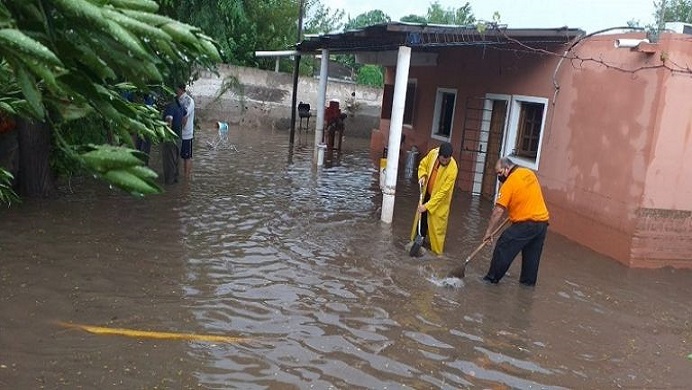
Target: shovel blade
(415, 248)
(458, 272)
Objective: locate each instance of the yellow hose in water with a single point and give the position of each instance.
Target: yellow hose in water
(154, 335)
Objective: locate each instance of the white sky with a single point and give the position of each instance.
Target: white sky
(589, 15)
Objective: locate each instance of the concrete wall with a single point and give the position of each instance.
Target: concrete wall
(617, 136)
(267, 100)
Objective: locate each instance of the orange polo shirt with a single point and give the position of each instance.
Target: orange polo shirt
(521, 195)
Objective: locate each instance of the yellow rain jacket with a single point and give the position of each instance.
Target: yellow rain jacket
(440, 199)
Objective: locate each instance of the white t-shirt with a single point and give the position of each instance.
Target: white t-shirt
(189, 104)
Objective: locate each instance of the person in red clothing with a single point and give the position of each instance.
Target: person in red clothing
(521, 196)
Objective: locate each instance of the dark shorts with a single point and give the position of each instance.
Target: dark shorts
(186, 149)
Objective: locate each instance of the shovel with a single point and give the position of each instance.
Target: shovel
(418, 242)
(460, 271)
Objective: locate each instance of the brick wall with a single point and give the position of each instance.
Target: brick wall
(662, 237)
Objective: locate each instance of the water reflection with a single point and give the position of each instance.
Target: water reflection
(295, 258)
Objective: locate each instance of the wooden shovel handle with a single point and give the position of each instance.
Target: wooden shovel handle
(497, 229)
(475, 252)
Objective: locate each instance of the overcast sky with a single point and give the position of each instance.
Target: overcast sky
(589, 15)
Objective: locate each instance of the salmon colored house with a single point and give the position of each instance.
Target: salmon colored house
(605, 120)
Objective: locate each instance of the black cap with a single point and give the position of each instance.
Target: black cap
(446, 149)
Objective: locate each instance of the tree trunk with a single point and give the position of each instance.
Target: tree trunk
(9, 153)
(35, 176)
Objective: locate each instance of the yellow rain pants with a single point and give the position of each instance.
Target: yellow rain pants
(440, 199)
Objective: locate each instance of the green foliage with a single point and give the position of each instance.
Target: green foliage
(438, 15)
(349, 60)
(367, 19)
(62, 160)
(7, 196)
(321, 19)
(232, 84)
(242, 27)
(65, 60)
(227, 21)
(675, 11)
(633, 23)
(666, 11)
(371, 75)
(414, 19)
(122, 168)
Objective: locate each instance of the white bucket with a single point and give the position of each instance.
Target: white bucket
(222, 126)
(320, 154)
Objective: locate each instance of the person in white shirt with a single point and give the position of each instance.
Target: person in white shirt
(188, 129)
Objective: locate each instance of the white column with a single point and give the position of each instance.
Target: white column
(321, 103)
(397, 122)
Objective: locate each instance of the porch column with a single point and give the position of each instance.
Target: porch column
(321, 103)
(403, 62)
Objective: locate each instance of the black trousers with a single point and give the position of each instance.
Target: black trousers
(525, 237)
(424, 218)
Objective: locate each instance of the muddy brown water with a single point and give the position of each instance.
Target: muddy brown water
(294, 259)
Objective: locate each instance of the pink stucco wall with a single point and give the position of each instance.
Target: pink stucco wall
(617, 137)
(599, 144)
(664, 218)
(616, 170)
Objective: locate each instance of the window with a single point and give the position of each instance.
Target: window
(388, 97)
(529, 132)
(525, 131)
(445, 101)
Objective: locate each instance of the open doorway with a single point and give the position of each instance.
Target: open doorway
(485, 122)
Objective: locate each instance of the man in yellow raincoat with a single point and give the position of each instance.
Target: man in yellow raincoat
(438, 173)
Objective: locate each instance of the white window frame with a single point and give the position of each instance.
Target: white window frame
(485, 133)
(436, 117)
(510, 141)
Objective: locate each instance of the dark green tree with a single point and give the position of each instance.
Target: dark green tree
(675, 11)
(371, 75)
(228, 22)
(439, 15)
(242, 27)
(321, 19)
(415, 19)
(367, 19)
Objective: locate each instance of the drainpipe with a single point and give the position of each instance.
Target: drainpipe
(403, 63)
(321, 103)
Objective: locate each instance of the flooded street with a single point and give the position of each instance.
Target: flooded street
(295, 261)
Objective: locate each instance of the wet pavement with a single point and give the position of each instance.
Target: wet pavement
(294, 259)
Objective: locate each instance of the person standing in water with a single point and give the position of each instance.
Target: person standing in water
(521, 196)
(188, 129)
(437, 171)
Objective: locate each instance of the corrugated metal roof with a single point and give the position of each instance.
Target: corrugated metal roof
(389, 36)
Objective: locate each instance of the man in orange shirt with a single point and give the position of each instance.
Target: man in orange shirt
(521, 196)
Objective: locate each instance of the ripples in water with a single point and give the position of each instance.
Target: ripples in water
(295, 258)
